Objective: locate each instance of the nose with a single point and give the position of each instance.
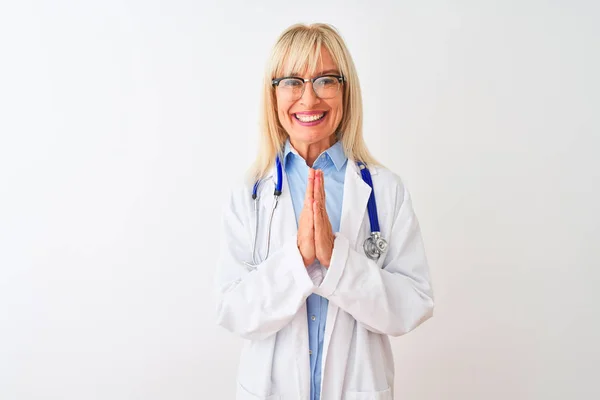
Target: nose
(309, 97)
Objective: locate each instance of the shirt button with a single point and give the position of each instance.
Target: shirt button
(313, 318)
(310, 352)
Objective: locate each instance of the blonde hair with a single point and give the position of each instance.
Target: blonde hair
(298, 48)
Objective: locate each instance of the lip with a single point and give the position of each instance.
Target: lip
(308, 113)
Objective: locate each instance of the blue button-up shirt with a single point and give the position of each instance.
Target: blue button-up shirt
(333, 164)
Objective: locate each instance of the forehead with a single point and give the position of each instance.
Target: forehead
(306, 65)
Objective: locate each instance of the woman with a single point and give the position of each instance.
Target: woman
(294, 277)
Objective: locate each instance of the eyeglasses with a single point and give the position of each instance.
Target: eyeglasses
(292, 88)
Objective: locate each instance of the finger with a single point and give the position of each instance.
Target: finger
(311, 220)
(318, 222)
(317, 186)
(320, 191)
(310, 185)
(322, 187)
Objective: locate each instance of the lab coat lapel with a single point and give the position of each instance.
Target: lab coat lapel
(284, 227)
(354, 207)
(354, 213)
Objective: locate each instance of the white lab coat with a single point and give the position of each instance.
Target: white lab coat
(368, 301)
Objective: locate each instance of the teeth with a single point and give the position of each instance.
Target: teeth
(309, 118)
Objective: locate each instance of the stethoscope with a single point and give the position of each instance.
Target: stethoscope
(374, 246)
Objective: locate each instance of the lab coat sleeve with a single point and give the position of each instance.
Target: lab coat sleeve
(256, 303)
(392, 300)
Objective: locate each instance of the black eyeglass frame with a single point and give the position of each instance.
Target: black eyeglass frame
(341, 79)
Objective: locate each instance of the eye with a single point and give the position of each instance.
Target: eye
(291, 83)
(326, 81)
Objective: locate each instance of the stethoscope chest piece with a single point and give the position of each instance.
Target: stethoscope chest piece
(375, 246)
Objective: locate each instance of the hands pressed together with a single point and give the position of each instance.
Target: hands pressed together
(315, 235)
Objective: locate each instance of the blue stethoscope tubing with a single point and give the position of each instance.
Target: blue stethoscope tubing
(374, 246)
(276, 194)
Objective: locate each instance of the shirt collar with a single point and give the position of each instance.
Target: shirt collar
(287, 150)
(335, 153)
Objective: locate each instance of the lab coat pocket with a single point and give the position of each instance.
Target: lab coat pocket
(381, 395)
(244, 394)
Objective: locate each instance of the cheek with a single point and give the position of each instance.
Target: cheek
(283, 111)
(339, 110)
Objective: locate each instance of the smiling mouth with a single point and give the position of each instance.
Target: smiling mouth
(310, 118)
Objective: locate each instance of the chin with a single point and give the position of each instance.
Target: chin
(314, 134)
(310, 136)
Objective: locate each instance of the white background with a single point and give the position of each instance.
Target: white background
(123, 123)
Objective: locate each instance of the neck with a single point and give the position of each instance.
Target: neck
(310, 151)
